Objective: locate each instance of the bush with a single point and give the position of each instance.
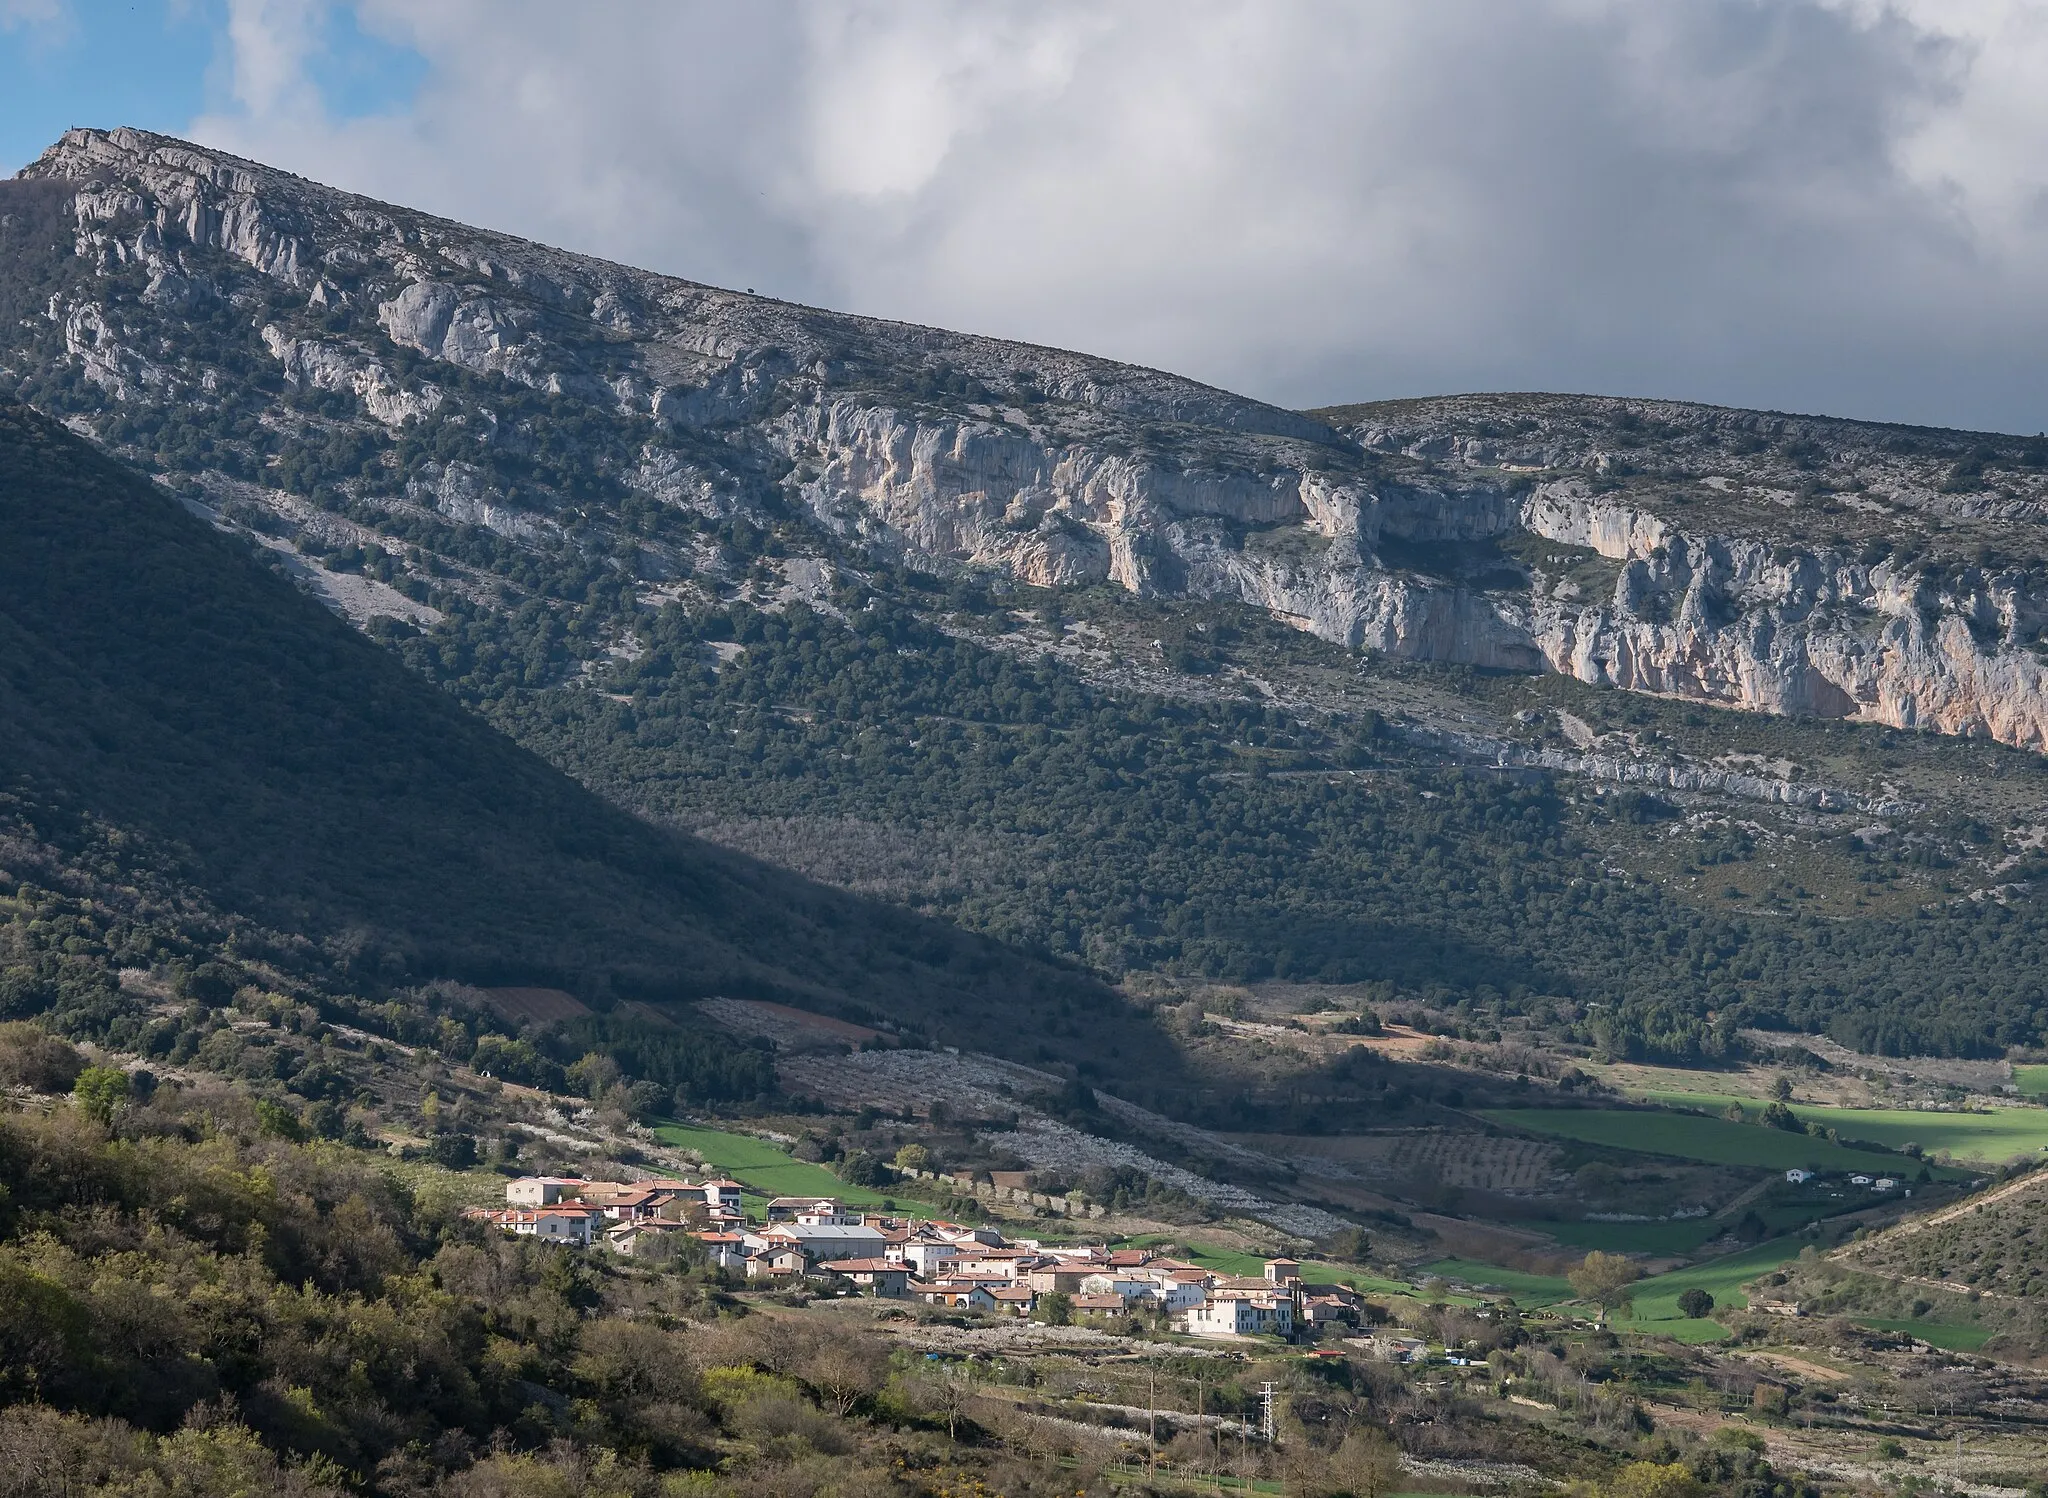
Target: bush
(279, 1121)
(453, 1151)
(1696, 1303)
(31, 1058)
(100, 1090)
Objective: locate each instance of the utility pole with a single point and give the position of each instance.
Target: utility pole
(1152, 1415)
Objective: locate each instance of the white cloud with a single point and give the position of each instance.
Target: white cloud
(1818, 204)
(34, 15)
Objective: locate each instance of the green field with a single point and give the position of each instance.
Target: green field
(1985, 1138)
(1527, 1290)
(1656, 1304)
(1699, 1102)
(1659, 1239)
(1715, 1141)
(770, 1171)
(1655, 1309)
(1935, 1334)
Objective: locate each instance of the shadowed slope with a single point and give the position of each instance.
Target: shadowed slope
(156, 675)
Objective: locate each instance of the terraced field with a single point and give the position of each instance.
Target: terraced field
(1465, 1159)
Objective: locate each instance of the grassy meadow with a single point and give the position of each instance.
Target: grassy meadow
(1945, 1335)
(1690, 1136)
(769, 1171)
(1529, 1291)
(1988, 1138)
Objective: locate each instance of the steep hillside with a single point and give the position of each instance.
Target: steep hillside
(1789, 564)
(173, 711)
(1111, 665)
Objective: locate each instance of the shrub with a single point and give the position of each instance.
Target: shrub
(31, 1058)
(100, 1090)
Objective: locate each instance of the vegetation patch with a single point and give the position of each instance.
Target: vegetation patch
(1715, 1141)
(769, 1170)
(1525, 1289)
(1945, 1335)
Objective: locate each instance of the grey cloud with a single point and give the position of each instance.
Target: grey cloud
(1807, 204)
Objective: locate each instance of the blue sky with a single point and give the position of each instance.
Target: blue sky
(1830, 206)
(163, 64)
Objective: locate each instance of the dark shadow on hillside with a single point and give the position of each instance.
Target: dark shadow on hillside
(157, 676)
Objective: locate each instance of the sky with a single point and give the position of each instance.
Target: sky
(1834, 206)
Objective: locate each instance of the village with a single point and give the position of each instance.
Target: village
(972, 1268)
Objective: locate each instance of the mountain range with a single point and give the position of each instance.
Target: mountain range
(1644, 719)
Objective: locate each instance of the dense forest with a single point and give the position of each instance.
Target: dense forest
(1234, 840)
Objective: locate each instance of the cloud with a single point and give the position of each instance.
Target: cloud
(46, 16)
(1832, 205)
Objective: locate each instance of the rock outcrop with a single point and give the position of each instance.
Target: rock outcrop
(1788, 565)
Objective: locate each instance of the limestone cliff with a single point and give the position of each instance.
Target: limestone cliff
(1791, 565)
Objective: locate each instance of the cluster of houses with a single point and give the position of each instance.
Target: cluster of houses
(940, 1263)
(1866, 1183)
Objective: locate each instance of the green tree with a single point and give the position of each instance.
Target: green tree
(1696, 1303)
(1778, 1116)
(100, 1090)
(1056, 1308)
(1607, 1280)
(277, 1120)
(1652, 1480)
(913, 1157)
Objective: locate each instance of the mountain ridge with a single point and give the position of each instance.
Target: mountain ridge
(1059, 469)
(941, 616)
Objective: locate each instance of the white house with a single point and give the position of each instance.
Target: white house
(1125, 1284)
(1241, 1313)
(1798, 1177)
(727, 1250)
(964, 1296)
(722, 1195)
(1884, 1183)
(885, 1278)
(542, 1191)
(571, 1225)
(1859, 1180)
(928, 1259)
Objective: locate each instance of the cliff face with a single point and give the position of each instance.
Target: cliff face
(1784, 564)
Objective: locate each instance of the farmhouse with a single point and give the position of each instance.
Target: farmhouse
(562, 1224)
(1242, 1313)
(542, 1191)
(883, 1278)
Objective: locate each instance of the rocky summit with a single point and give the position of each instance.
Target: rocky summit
(284, 350)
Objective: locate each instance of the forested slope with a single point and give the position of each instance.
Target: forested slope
(169, 700)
